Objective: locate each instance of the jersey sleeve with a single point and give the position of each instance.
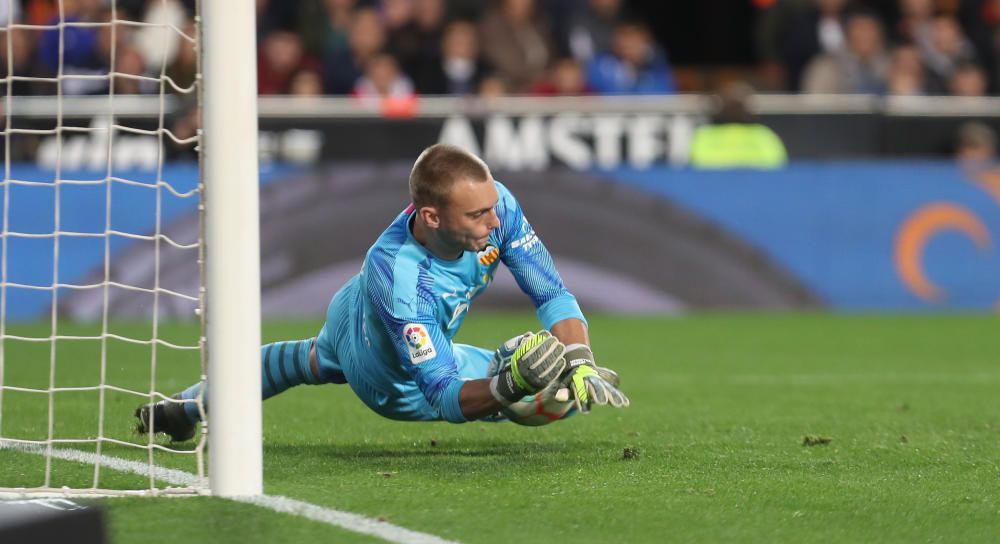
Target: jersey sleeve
(531, 264)
(407, 311)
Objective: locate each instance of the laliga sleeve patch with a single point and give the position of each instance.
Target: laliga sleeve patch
(418, 341)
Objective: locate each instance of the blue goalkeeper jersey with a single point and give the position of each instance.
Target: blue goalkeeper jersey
(389, 330)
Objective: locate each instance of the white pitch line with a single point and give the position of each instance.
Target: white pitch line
(345, 520)
(171, 476)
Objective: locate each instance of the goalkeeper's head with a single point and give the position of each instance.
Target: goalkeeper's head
(455, 198)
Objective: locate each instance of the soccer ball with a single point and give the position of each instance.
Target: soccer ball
(541, 408)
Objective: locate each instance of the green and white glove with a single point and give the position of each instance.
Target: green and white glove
(525, 365)
(588, 383)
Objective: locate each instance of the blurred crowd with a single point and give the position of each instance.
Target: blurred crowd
(917, 47)
(402, 48)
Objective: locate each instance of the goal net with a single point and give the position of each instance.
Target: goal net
(104, 264)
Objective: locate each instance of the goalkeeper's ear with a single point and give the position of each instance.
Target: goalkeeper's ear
(429, 216)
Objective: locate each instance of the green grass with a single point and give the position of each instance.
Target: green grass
(720, 409)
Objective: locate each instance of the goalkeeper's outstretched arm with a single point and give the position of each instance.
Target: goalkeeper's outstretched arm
(477, 400)
(571, 331)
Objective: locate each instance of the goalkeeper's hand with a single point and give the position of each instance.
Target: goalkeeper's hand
(525, 365)
(588, 383)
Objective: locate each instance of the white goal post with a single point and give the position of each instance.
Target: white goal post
(233, 247)
(82, 144)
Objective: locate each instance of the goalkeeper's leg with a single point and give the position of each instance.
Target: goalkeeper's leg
(283, 365)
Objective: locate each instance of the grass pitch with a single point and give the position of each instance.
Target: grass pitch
(762, 428)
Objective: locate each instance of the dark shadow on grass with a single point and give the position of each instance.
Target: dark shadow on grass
(425, 450)
(458, 456)
(451, 460)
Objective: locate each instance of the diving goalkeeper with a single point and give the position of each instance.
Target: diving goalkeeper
(389, 330)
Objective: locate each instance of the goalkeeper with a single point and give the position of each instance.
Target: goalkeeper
(388, 331)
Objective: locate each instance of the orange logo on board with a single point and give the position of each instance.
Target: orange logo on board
(918, 228)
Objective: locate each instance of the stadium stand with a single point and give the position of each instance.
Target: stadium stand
(907, 47)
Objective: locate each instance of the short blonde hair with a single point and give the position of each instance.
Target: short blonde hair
(438, 168)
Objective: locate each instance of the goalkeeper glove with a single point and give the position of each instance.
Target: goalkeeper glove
(588, 383)
(525, 365)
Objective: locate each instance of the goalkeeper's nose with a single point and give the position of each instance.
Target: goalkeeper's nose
(494, 220)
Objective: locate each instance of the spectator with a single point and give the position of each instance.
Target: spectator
(991, 15)
(793, 32)
(915, 24)
(130, 61)
(10, 13)
(517, 43)
(343, 68)
(976, 153)
(324, 25)
(565, 78)
(976, 143)
(459, 69)
(383, 79)
(863, 67)
(492, 87)
(272, 16)
(634, 66)
(184, 69)
(429, 16)
(306, 82)
(184, 126)
(158, 45)
(733, 139)
(470, 10)
(949, 48)
(906, 72)
(967, 80)
(981, 19)
(278, 59)
(84, 51)
(402, 38)
(41, 12)
(18, 60)
(591, 29)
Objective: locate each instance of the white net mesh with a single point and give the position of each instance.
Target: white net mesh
(100, 265)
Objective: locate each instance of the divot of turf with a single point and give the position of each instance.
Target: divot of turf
(815, 440)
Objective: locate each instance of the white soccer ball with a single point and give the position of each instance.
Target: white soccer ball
(541, 408)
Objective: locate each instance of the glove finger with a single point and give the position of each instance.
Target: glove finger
(549, 354)
(617, 399)
(582, 406)
(580, 397)
(544, 359)
(608, 375)
(596, 390)
(536, 355)
(543, 363)
(510, 346)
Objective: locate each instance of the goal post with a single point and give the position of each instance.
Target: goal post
(232, 247)
(121, 269)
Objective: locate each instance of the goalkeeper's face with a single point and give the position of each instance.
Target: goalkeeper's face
(469, 217)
